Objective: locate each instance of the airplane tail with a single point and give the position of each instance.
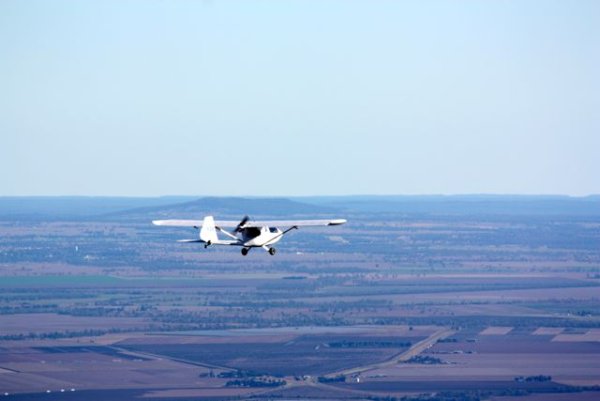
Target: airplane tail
(208, 233)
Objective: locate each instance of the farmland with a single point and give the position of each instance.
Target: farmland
(422, 298)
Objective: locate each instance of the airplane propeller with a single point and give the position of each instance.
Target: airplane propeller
(241, 224)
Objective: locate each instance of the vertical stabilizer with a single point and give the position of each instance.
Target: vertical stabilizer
(208, 233)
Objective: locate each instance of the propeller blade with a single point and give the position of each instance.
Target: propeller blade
(239, 226)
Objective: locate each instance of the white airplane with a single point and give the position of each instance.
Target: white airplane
(247, 234)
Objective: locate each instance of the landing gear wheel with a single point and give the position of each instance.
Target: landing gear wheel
(272, 251)
(244, 251)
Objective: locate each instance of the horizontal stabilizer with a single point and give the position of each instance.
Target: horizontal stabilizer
(227, 242)
(217, 242)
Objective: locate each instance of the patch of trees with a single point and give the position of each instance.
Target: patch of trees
(483, 321)
(533, 379)
(441, 396)
(256, 382)
(29, 308)
(237, 374)
(369, 344)
(583, 312)
(447, 340)
(67, 334)
(336, 379)
(479, 395)
(426, 360)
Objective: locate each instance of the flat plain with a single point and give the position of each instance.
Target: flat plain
(416, 298)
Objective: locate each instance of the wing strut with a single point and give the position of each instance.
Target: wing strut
(227, 233)
(289, 229)
(282, 234)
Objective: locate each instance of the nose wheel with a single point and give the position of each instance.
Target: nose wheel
(245, 251)
(272, 251)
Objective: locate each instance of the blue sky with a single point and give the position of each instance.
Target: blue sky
(288, 97)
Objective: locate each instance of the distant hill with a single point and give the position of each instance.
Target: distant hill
(143, 209)
(465, 204)
(234, 208)
(74, 207)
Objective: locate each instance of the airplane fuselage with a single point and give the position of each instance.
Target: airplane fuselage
(259, 237)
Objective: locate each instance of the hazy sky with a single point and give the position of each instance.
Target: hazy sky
(299, 97)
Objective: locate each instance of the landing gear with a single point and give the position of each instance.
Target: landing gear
(272, 251)
(245, 251)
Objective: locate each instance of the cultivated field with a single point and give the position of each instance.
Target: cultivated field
(463, 300)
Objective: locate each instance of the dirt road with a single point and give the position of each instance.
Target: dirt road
(415, 350)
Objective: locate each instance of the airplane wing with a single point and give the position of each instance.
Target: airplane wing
(294, 223)
(264, 223)
(193, 223)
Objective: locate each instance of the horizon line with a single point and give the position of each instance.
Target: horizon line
(449, 195)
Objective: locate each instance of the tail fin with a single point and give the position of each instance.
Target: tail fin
(208, 233)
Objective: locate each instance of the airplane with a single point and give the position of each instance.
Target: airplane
(247, 234)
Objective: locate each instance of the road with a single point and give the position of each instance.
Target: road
(415, 350)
